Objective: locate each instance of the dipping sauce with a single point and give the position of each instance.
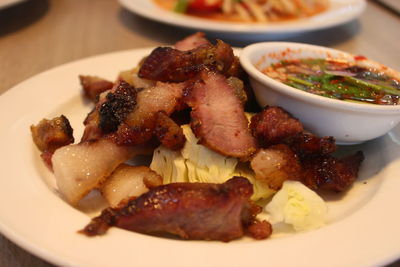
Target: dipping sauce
(338, 79)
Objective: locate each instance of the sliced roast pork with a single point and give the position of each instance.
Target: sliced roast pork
(128, 181)
(167, 64)
(218, 118)
(110, 111)
(79, 168)
(289, 153)
(190, 211)
(330, 173)
(138, 126)
(273, 125)
(276, 164)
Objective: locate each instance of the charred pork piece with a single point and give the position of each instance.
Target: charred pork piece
(93, 86)
(218, 118)
(139, 125)
(192, 41)
(171, 65)
(273, 125)
(276, 164)
(329, 173)
(168, 132)
(117, 106)
(128, 115)
(110, 111)
(189, 210)
(49, 135)
(306, 143)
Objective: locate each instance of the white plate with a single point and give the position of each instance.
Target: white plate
(340, 11)
(364, 223)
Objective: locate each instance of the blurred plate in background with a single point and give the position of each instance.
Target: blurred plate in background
(339, 12)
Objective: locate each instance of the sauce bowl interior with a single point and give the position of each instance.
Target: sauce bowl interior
(348, 122)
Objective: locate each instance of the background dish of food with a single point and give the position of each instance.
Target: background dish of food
(33, 215)
(338, 13)
(262, 11)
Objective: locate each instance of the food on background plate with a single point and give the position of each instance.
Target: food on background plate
(186, 108)
(260, 11)
(338, 79)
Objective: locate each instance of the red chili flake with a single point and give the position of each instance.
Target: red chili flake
(360, 57)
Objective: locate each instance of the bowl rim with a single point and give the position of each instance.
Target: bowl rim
(262, 48)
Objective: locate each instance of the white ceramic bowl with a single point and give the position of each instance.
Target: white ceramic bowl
(348, 122)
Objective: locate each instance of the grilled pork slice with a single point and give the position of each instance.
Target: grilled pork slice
(218, 118)
(167, 64)
(192, 41)
(49, 135)
(110, 111)
(289, 153)
(307, 143)
(93, 86)
(139, 125)
(129, 115)
(128, 181)
(189, 210)
(279, 163)
(79, 168)
(329, 173)
(273, 125)
(276, 164)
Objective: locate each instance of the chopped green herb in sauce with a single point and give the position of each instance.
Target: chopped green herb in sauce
(337, 79)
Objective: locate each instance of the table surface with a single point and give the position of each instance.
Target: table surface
(38, 35)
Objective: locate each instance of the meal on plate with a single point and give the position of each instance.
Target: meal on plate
(246, 10)
(221, 167)
(338, 79)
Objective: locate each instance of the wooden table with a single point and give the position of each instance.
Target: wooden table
(38, 35)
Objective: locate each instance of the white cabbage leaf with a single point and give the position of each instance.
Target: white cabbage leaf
(197, 163)
(297, 205)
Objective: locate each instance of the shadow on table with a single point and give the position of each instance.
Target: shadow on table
(21, 15)
(170, 34)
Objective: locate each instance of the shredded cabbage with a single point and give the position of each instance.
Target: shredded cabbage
(197, 163)
(297, 205)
